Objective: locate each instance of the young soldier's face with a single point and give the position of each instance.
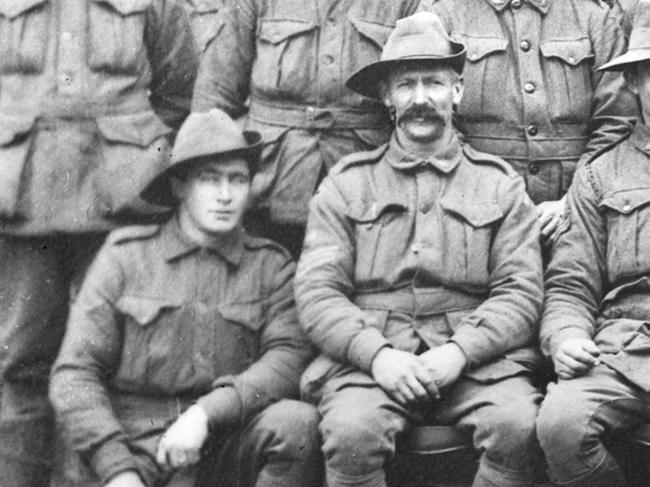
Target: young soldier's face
(213, 197)
(639, 80)
(424, 99)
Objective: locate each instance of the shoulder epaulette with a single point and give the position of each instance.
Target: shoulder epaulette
(252, 242)
(359, 158)
(479, 157)
(132, 232)
(608, 147)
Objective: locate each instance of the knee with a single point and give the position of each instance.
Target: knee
(561, 426)
(293, 425)
(508, 433)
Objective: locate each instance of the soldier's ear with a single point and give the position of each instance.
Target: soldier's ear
(630, 74)
(458, 89)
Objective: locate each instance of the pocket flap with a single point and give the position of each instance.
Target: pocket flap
(126, 7)
(369, 211)
(572, 52)
(137, 129)
(251, 315)
(496, 371)
(143, 310)
(479, 47)
(13, 8)
(633, 360)
(374, 31)
(627, 201)
(276, 31)
(12, 128)
(476, 213)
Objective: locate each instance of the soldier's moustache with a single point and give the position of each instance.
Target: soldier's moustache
(425, 112)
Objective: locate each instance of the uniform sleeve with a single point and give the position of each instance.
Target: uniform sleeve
(324, 283)
(89, 355)
(284, 350)
(575, 276)
(174, 60)
(224, 75)
(614, 106)
(508, 318)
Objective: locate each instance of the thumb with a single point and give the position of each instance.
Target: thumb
(592, 348)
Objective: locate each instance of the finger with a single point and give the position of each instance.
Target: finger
(544, 216)
(572, 364)
(592, 348)
(428, 382)
(397, 397)
(406, 392)
(564, 374)
(178, 458)
(417, 389)
(549, 227)
(193, 456)
(161, 455)
(582, 356)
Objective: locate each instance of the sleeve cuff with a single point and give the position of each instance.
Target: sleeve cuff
(478, 349)
(112, 458)
(365, 346)
(222, 405)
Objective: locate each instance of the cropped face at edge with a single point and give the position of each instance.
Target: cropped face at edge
(638, 78)
(423, 97)
(212, 197)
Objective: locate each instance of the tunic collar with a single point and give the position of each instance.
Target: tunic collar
(177, 244)
(541, 5)
(445, 160)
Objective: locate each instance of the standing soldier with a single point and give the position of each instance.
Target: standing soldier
(203, 18)
(532, 93)
(292, 59)
(89, 94)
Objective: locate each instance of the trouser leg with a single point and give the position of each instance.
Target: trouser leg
(359, 428)
(501, 418)
(279, 447)
(34, 297)
(577, 415)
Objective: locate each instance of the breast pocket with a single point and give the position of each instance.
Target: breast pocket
(485, 66)
(381, 234)
(567, 66)
(24, 32)
(237, 336)
(628, 231)
(157, 350)
(468, 229)
(285, 51)
(371, 36)
(116, 35)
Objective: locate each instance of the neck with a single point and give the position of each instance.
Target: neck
(199, 237)
(427, 148)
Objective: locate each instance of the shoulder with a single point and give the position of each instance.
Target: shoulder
(132, 233)
(603, 158)
(358, 159)
(266, 246)
(491, 162)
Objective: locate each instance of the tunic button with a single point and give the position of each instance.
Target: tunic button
(424, 208)
(532, 130)
(533, 168)
(627, 208)
(524, 45)
(327, 59)
(529, 88)
(66, 36)
(515, 3)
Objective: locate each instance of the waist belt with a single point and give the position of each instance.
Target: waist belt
(310, 117)
(142, 406)
(75, 108)
(424, 301)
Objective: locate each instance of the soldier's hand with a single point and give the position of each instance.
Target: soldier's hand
(444, 363)
(575, 357)
(550, 214)
(403, 376)
(126, 479)
(180, 446)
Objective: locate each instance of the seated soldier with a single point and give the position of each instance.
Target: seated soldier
(421, 280)
(183, 346)
(595, 321)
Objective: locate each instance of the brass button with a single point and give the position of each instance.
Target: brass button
(532, 130)
(328, 59)
(529, 88)
(627, 208)
(533, 168)
(524, 45)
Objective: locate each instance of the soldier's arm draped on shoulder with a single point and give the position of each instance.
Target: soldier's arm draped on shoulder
(284, 352)
(174, 59)
(89, 356)
(575, 278)
(508, 318)
(224, 75)
(325, 281)
(614, 106)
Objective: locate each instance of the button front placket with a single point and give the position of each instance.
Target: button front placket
(72, 22)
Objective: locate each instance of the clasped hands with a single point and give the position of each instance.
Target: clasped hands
(410, 378)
